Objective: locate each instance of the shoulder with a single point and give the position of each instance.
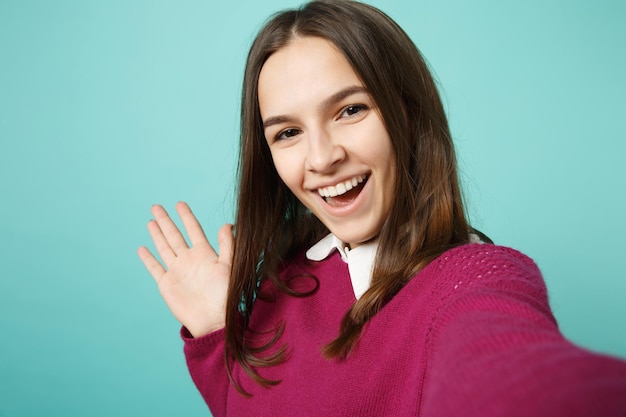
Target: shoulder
(484, 259)
(478, 285)
(486, 266)
(489, 291)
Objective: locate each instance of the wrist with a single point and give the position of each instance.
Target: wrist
(199, 331)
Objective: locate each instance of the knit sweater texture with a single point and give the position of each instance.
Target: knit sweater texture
(471, 334)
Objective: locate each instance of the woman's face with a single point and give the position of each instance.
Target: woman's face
(327, 138)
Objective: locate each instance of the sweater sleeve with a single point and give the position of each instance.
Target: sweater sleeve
(205, 360)
(495, 348)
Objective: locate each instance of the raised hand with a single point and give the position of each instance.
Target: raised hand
(192, 279)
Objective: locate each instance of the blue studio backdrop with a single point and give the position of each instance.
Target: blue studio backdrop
(107, 107)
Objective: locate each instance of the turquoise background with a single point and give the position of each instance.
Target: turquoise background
(107, 107)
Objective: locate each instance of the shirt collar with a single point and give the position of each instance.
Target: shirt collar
(360, 260)
(322, 249)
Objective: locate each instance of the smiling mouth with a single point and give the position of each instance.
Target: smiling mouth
(343, 193)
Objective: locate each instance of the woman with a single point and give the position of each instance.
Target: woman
(350, 286)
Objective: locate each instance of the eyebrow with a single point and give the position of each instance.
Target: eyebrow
(328, 102)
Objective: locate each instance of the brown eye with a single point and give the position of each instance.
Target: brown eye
(352, 110)
(287, 133)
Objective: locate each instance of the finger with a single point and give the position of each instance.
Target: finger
(225, 240)
(174, 238)
(153, 266)
(163, 248)
(192, 226)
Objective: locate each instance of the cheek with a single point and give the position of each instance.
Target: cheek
(382, 149)
(287, 167)
(387, 163)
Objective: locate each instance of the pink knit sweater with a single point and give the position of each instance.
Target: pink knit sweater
(471, 335)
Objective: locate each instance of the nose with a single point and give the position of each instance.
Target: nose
(324, 153)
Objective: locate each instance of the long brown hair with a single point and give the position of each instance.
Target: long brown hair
(426, 217)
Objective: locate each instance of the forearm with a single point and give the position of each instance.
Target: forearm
(207, 367)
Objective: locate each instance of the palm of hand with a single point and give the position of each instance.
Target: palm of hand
(194, 280)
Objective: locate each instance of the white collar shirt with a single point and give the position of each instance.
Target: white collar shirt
(360, 260)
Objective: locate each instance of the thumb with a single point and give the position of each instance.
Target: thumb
(225, 241)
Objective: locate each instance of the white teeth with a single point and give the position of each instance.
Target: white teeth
(342, 187)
